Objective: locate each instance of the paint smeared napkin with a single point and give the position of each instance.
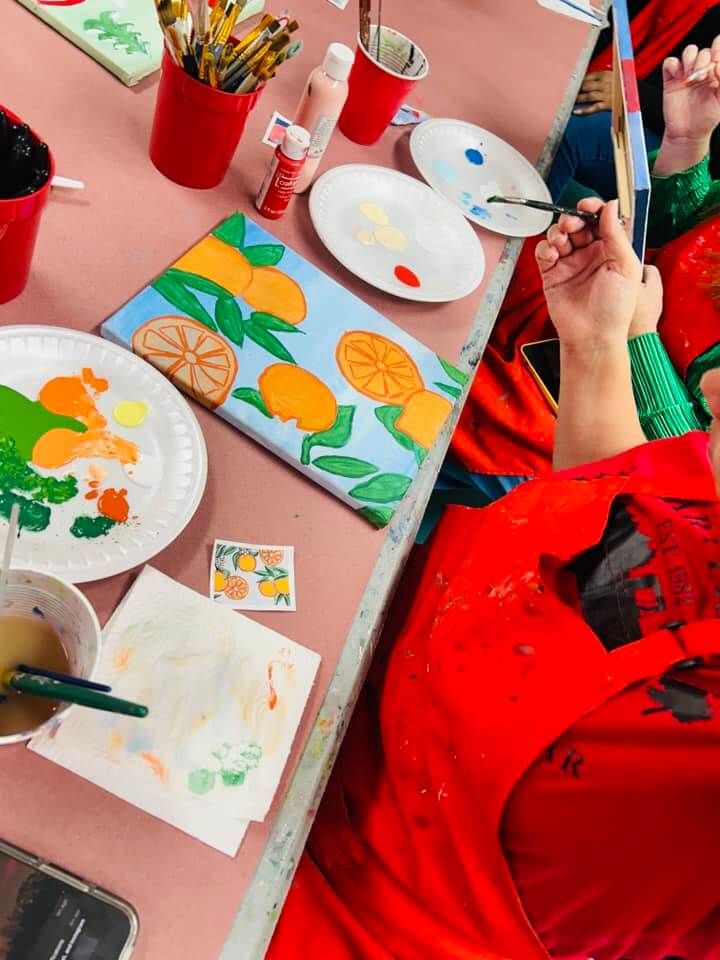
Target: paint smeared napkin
(226, 696)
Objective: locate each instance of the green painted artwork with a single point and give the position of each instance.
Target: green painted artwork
(125, 38)
(232, 764)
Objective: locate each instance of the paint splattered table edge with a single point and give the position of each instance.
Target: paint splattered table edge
(255, 922)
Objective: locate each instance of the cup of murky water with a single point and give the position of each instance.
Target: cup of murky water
(48, 624)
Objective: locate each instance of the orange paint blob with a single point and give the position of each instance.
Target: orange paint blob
(156, 765)
(113, 505)
(406, 276)
(92, 495)
(272, 695)
(68, 396)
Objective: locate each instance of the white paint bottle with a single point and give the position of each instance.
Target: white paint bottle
(320, 106)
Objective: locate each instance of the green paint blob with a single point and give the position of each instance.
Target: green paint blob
(89, 528)
(233, 778)
(27, 420)
(19, 483)
(33, 516)
(201, 782)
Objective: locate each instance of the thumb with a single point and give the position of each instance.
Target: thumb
(617, 243)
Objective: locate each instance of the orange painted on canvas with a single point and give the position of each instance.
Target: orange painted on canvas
(156, 765)
(113, 505)
(68, 396)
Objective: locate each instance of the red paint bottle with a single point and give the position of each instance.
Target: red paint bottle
(279, 183)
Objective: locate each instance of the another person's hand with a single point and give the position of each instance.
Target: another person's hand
(710, 386)
(648, 309)
(591, 277)
(692, 110)
(596, 90)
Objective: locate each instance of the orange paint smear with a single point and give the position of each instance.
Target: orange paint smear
(67, 396)
(113, 505)
(157, 766)
(272, 695)
(93, 495)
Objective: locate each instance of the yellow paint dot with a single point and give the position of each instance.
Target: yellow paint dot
(375, 214)
(130, 413)
(391, 238)
(365, 237)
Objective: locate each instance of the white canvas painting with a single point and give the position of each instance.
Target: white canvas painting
(225, 698)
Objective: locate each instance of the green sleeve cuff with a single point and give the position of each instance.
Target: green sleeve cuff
(700, 365)
(676, 201)
(664, 405)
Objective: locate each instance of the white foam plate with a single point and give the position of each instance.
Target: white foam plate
(173, 466)
(467, 164)
(423, 233)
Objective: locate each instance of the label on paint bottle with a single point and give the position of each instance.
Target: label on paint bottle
(321, 135)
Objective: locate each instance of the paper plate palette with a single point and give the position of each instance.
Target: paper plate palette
(467, 164)
(396, 234)
(106, 458)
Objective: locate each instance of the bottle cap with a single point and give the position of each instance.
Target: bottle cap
(296, 142)
(338, 61)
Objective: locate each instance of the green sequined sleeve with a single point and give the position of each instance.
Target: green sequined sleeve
(664, 405)
(677, 202)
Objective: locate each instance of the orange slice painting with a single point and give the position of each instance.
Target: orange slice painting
(194, 358)
(378, 368)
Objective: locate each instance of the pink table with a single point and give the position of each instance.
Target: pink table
(99, 247)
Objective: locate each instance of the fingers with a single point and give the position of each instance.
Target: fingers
(715, 48)
(702, 61)
(688, 57)
(617, 244)
(559, 239)
(671, 68)
(579, 232)
(546, 256)
(652, 279)
(595, 108)
(592, 96)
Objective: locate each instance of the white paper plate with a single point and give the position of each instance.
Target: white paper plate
(173, 468)
(467, 164)
(419, 234)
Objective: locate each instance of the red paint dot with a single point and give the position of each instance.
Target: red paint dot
(406, 276)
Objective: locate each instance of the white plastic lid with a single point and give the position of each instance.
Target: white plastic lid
(296, 142)
(338, 61)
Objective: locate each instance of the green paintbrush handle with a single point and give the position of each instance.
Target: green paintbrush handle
(55, 690)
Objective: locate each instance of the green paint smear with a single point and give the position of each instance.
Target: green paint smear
(27, 420)
(89, 528)
(201, 782)
(20, 484)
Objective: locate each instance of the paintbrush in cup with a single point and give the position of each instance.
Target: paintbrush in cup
(35, 686)
(7, 555)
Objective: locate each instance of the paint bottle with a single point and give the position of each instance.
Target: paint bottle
(321, 104)
(279, 183)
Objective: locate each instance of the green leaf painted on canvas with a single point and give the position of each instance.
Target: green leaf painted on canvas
(446, 388)
(457, 375)
(264, 254)
(385, 488)
(180, 297)
(122, 35)
(345, 466)
(254, 398)
(335, 436)
(388, 418)
(197, 282)
(378, 516)
(229, 319)
(263, 338)
(232, 231)
(269, 322)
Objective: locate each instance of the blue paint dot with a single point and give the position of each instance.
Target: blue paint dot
(480, 212)
(465, 198)
(446, 171)
(475, 157)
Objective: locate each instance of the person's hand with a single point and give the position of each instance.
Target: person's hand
(596, 90)
(648, 309)
(591, 277)
(710, 386)
(692, 110)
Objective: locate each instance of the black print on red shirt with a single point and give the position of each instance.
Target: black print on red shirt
(572, 760)
(686, 703)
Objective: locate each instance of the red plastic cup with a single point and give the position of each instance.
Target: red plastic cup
(378, 88)
(196, 129)
(19, 223)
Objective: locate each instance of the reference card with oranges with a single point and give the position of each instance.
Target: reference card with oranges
(251, 330)
(247, 576)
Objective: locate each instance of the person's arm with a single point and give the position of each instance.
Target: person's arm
(679, 200)
(591, 279)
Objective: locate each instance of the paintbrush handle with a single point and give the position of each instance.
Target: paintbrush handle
(585, 215)
(69, 693)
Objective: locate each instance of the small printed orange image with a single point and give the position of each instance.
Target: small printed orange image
(271, 558)
(423, 417)
(293, 393)
(236, 588)
(377, 367)
(217, 261)
(274, 292)
(194, 358)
